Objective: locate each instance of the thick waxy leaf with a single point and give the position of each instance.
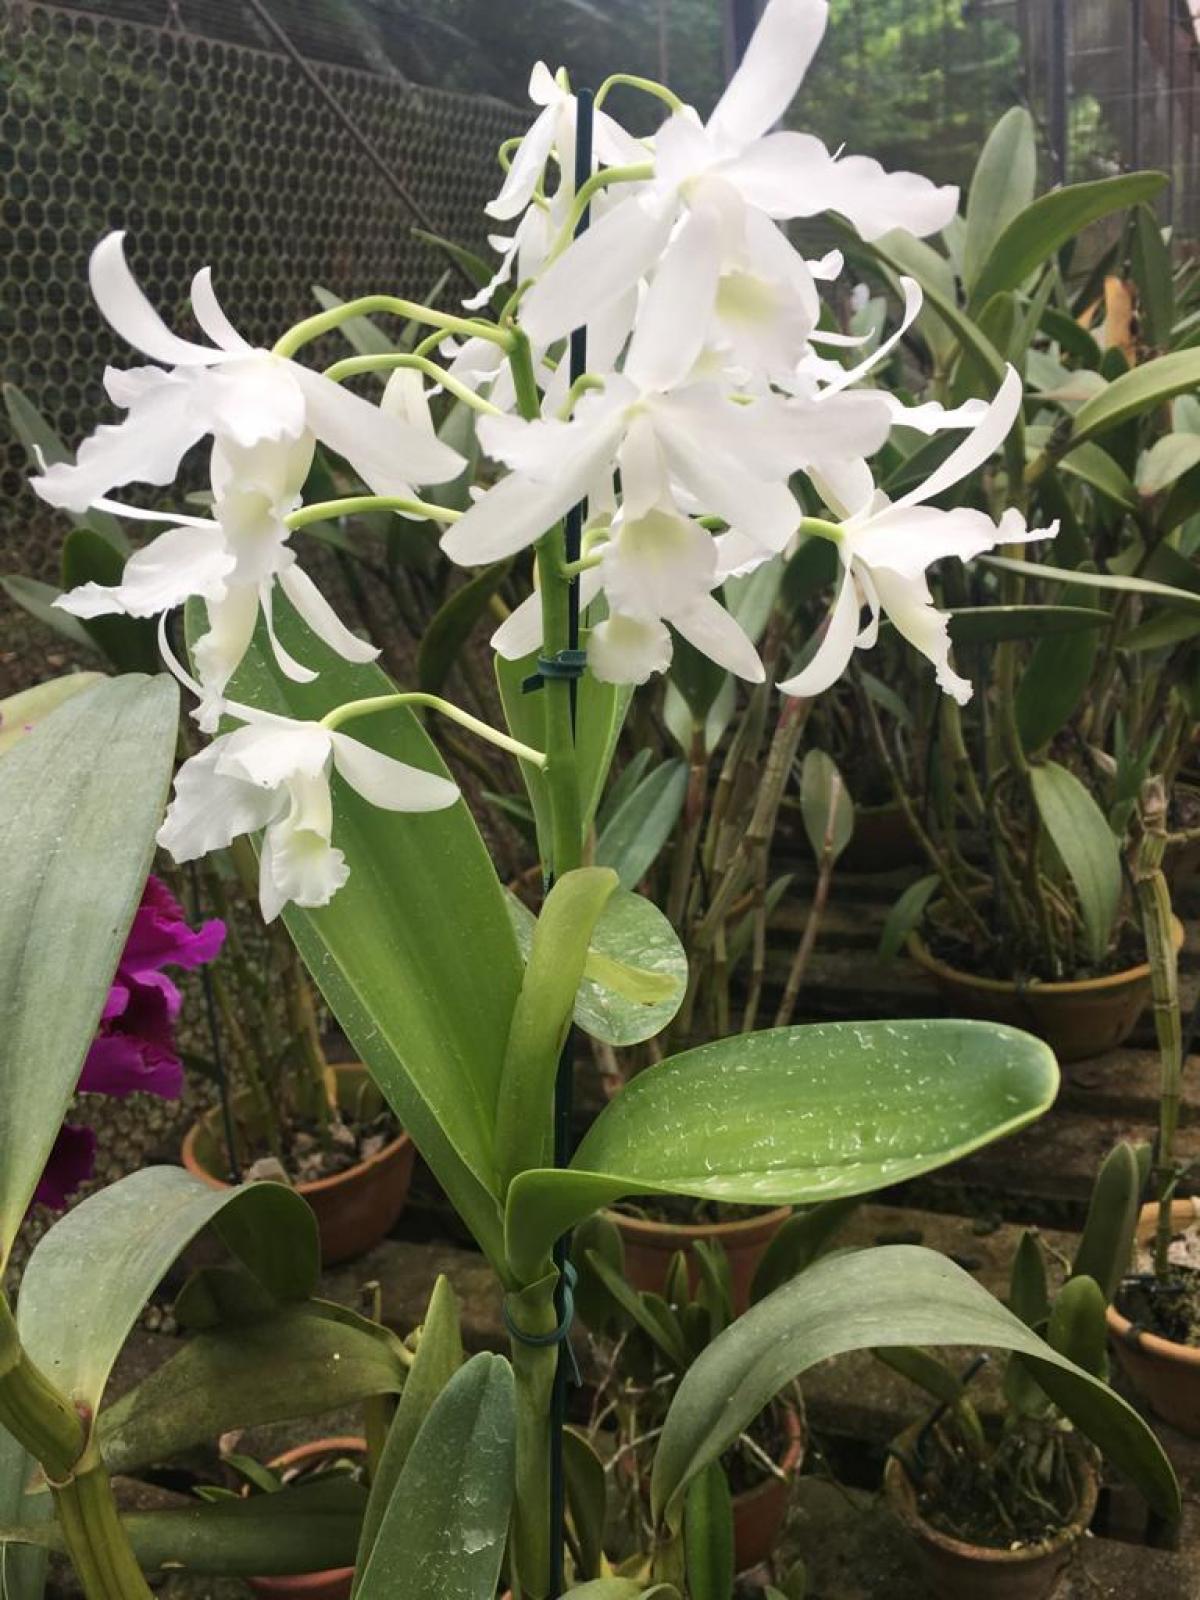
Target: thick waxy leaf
(990, 624)
(129, 643)
(37, 598)
(80, 800)
(1153, 276)
(1080, 833)
(875, 1299)
(587, 1499)
(301, 1362)
(792, 1116)
(444, 1528)
(798, 1243)
(452, 626)
(1091, 465)
(439, 1356)
(1106, 1245)
(1165, 462)
(1136, 391)
(24, 1568)
(116, 1246)
(1053, 684)
(641, 826)
(1098, 580)
(635, 974)
(304, 1527)
(708, 1535)
(1044, 227)
(825, 805)
(21, 713)
(600, 715)
(1001, 188)
(905, 915)
(390, 952)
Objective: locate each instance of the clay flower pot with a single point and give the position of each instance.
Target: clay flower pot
(759, 1513)
(650, 1245)
(955, 1570)
(354, 1209)
(1165, 1374)
(882, 840)
(1077, 1020)
(335, 1583)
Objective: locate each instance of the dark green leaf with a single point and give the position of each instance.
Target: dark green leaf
(631, 842)
(708, 1535)
(587, 1497)
(798, 1243)
(905, 915)
(129, 643)
(1053, 684)
(1153, 275)
(1080, 833)
(990, 624)
(38, 599)
(453, 624)
(826, 806)
(44, 447)
(1001, 188)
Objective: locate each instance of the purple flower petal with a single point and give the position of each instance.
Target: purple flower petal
(71, 1162)
(120, 1064)
(160, 934)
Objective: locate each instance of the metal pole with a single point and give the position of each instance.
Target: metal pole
(1135, 83)
(1172, 164)
(741, 19)
(1056, 86)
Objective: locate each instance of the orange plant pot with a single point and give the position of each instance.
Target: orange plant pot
(1165, 1374)
(354, 1209)
(649, 1247)
(334, 1584)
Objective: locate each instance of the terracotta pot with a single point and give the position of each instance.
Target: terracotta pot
(354, 1209)
(335, 1583)
(1077, 1020)
(882, 840)
(1165, 1374)
(759, 1513)
(649, 1247)
(955, 1570)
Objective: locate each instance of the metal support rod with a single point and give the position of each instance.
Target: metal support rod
(564, 1087)
(1056, 85)
(1135, 83)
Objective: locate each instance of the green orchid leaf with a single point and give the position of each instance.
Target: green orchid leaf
(117, 1245)
(1133, 392)
(906, 915)
(798, 1244)
(388, 952)
(129, 643)
(791, 1116)
(1165, 462)
(1002, 187)
(1152, 272)
(444, 1527)
(645, 1311)
(641, 826)
(301, 1528)
(708, 1535)
(21, 713)
(1092, 465)
(80, 800)
(1105, 1247)
(1080, 833)
(37, 598)
(587, 1500)
(302, 1361)
(23, 1567)
(991, 624)
(825, 806)
(1054, 683)
(894, 1295)
(1041, 229)
(439, 1356)
(453, 624)
(1097, 580)
(634, 973)
(542, 1016)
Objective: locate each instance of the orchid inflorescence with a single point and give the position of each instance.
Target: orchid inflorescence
(711, 386)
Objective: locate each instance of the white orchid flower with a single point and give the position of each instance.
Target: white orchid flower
(273, 774)
(244, 397)
(232, 562)
(735, 165)
(655, 569)
(884, 548)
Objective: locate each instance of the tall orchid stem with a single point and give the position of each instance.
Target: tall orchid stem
(433, 702)
(326, 321)
(649, 86)
(356, 504)
(638, 172)
(395, 360)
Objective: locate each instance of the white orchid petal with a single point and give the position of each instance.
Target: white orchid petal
(147, 447)
(124, 306)
(644, 481)
(219, 652)
(526, 168)
(912, 306)
(521, 631)
(833, 654)
(771, 71)
(907, 539)
(601, 266)
(932, 416)
(914, 616)
(118, 508)
(658, 563)
(390, 784)
(212, 319)
(707, 625)
(315, 610)
(287, 663)
(980, 444)
(385, 452)
(765, 511)
(274, 753)
(298, 864)
(674, 318)
(211, 809)
(163, 574)
(628, 649)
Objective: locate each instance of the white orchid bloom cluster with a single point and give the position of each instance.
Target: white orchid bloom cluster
(708, 386)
